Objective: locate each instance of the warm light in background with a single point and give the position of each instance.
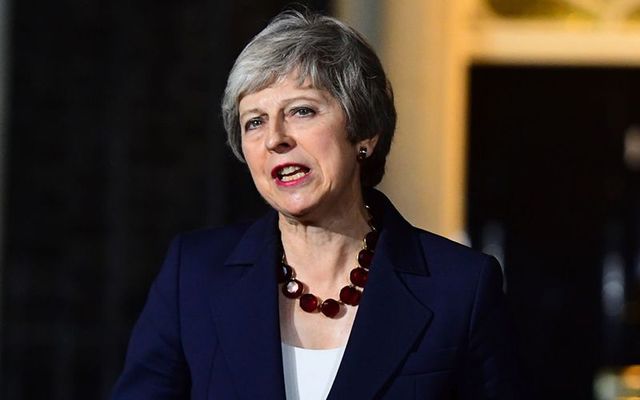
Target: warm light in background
(631, 377)
(618, 384)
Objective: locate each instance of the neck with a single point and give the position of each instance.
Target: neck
(323, 251)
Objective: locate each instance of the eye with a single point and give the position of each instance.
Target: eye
(302, 111)
(252, 124)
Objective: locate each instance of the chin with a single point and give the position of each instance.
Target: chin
(294, 210)
(294, 204)
(297, 213)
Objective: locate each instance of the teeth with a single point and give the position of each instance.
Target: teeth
(291, 173)
(290, 178)
(288, 170)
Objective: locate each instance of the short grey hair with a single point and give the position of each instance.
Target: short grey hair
(335, 58)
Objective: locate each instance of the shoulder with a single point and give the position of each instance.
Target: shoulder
(465, 276)
(211, 241)
(443, 258)
(193, 253)
(223, 241)
(203, 254)
(458, 263)
(456, 269)
(444, 255)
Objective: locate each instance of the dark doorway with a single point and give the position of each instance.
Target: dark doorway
(549, 189)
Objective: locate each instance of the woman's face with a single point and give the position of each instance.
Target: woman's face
(295, 143)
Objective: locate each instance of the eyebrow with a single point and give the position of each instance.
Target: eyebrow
(253, 110)
(285, 102)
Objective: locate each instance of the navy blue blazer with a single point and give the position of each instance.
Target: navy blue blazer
(432, 322)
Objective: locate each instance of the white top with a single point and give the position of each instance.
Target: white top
(309, 374)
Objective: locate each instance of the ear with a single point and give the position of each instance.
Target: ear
(369, 143)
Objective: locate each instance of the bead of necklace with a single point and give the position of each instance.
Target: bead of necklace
(351, 294)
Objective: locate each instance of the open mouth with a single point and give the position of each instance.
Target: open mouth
(289, 172)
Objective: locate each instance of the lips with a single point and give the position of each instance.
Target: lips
(289, 173)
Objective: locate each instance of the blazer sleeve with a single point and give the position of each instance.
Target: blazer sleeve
(491, 369)
(155, 366)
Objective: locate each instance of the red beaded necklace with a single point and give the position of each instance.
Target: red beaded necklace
(292, 288)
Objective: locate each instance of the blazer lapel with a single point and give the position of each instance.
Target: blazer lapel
(246, 314)
(389, 319)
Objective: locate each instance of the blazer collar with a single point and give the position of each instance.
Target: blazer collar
(259, 235)
(398, 237)
(247, 321)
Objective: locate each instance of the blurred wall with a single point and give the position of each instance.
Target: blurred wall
(421, 45)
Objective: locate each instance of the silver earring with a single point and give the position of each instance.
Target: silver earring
(362, 153)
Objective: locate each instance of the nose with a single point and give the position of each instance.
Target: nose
(278, 139)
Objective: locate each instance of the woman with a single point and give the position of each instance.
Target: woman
(333, 293)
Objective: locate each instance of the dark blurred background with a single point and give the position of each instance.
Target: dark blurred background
(113, 143)
(554, 190)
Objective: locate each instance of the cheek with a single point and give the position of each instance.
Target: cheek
(250, 157)
(254, 170)
(343, 156)
(260, 178)
(243, 150)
